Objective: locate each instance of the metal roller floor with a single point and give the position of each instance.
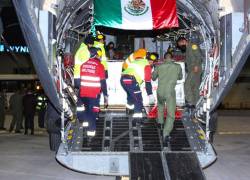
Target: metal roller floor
(116, 133)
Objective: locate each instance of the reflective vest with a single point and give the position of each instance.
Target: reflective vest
(92, 72)
(81, 56)
(104, 57)
(140, 69)
(128, 61)
(132, 57)
(41, 102)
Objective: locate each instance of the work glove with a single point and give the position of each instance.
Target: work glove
(196, 69)
(106, 100)
(151, 99)
(153, 65)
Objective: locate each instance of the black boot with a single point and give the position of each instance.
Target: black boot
(129, 111)
(134, 122)
(137, 122)
(160, 126)
(166, 141)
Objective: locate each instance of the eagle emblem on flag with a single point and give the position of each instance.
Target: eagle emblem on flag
(136, 7)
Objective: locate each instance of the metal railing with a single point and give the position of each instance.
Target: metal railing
(247, 16)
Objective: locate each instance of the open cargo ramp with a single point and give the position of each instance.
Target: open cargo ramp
(121, 148)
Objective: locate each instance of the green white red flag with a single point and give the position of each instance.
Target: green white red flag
(136, 14)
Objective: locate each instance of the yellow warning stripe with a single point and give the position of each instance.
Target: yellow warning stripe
(202, 135)
(69, 137)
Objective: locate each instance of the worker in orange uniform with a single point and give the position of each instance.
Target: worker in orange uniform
(132, 57)
(134, 74)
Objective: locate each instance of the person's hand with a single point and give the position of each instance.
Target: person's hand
(151, 99)
(106, 100)
(196, 69)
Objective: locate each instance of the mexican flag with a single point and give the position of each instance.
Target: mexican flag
(136, 14)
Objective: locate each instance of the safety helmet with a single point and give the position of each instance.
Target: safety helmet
(152, 56)
(140, 53)
(95, 52)
(100, 36)
(170, 51)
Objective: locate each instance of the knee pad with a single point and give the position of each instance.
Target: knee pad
(96, 109)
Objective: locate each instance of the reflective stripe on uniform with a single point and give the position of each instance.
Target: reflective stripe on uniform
(128, 61)
(91, 84)
(85, 124)
(90, 133)
(137, 92)
(96, 109)
(130, 106)
(80, 108)
(127, 80)
(137, 115)
(90, 78)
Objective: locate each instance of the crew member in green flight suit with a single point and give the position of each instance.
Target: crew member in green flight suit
(167, 74)
(194, 70)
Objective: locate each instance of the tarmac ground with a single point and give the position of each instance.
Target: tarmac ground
(27, 157)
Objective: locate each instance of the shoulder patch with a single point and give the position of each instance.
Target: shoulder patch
(194, 47)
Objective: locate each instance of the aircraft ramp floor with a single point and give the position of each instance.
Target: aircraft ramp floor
(122, 147)
(116, 132)
(165, 165)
